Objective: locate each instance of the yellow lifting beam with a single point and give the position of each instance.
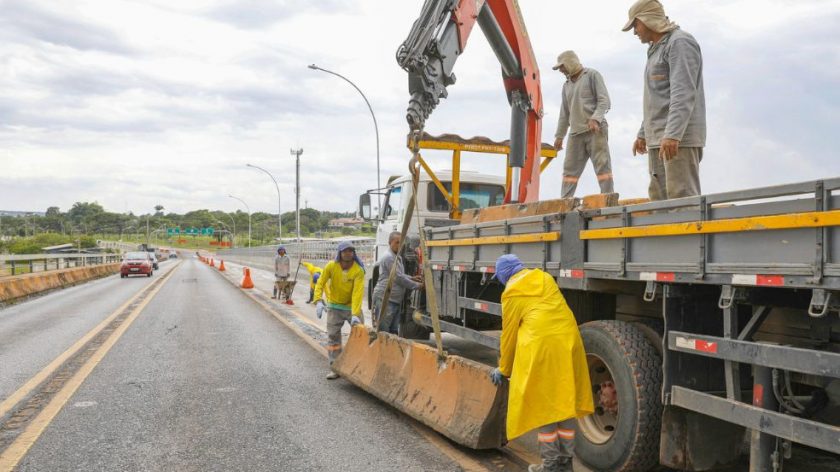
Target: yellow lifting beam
(814, 219)
(456, 144)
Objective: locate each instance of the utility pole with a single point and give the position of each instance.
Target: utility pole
(297, 153)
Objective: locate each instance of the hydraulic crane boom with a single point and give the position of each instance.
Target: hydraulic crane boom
(429, 53)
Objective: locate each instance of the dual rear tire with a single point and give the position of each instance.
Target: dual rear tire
(625, 369)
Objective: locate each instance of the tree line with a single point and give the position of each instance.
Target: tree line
(90, 219)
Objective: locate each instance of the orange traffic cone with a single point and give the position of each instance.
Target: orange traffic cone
(212, 263)
(246, 281)
(222, 266)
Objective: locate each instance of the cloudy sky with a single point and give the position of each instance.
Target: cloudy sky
(134, 103)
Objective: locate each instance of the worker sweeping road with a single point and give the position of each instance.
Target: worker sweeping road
(314, 275)
(282, 270)
(542, 353)
(344, 281)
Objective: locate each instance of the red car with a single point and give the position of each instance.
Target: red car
(136, 263)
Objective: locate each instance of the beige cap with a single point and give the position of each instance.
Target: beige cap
(651, 13)
(570, 60)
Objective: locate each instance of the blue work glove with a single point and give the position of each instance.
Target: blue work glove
(319, 309)
(496, 376)
(355, 320)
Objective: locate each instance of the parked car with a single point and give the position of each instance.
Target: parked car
(137, 263)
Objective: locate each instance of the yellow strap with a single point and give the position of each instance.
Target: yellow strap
(814, 219)
(516, 238)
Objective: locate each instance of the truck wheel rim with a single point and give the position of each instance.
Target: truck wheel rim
(599, 427)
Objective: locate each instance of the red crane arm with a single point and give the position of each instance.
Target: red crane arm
(438, 38)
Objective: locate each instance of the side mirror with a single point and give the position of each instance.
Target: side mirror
(364, 206)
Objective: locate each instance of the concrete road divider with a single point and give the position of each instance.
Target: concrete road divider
(13, 289)
(454, 397)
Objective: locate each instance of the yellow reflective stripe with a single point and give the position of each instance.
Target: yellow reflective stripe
(814, 219)
(516, 238)
(566, 433)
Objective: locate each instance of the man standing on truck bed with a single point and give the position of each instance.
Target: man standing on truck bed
(345, 277)
(673, 130)
(542, 353)
(390, 313)
(585, 102)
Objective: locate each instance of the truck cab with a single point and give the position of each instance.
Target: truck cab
(433, 209)
(477, 191)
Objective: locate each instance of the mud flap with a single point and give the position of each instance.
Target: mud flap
(455, 396)
(695, 442)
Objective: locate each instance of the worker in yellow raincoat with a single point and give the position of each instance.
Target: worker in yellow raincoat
(314, 275)
(542, 354)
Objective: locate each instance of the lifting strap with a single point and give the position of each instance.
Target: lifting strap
(431, 296)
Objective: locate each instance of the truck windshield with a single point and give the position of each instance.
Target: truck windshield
(472, 196)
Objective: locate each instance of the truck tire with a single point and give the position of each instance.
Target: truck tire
(652, 329)
(411, 330)
(626, 374)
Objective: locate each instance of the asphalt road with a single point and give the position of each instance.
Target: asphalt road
(35, 332)
(204, 379)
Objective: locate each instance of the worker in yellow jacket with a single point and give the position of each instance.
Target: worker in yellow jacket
(344, 281)
(314, 275)
(542, 354)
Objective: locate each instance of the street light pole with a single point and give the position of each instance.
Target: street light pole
(279, 212)
(233, 237)
(375, 125)
(297, 153)
(249, 217)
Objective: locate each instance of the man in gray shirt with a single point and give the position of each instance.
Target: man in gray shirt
(585, 102)
(390, 315)
(282, 270)
(673, 131)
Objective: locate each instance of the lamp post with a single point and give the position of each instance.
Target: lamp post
(375, 125)
(297, 153)
(249, 217)
(279, 213)
(233, 236)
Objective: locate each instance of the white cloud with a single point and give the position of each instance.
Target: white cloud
(134, 103)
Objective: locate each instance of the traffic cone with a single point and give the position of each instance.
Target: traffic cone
(212, 263)
(222, 266)
(246, 281)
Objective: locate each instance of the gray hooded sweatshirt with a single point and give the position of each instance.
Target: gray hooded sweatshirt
(674, 102)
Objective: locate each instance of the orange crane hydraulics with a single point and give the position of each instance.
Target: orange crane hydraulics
(429, 53)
